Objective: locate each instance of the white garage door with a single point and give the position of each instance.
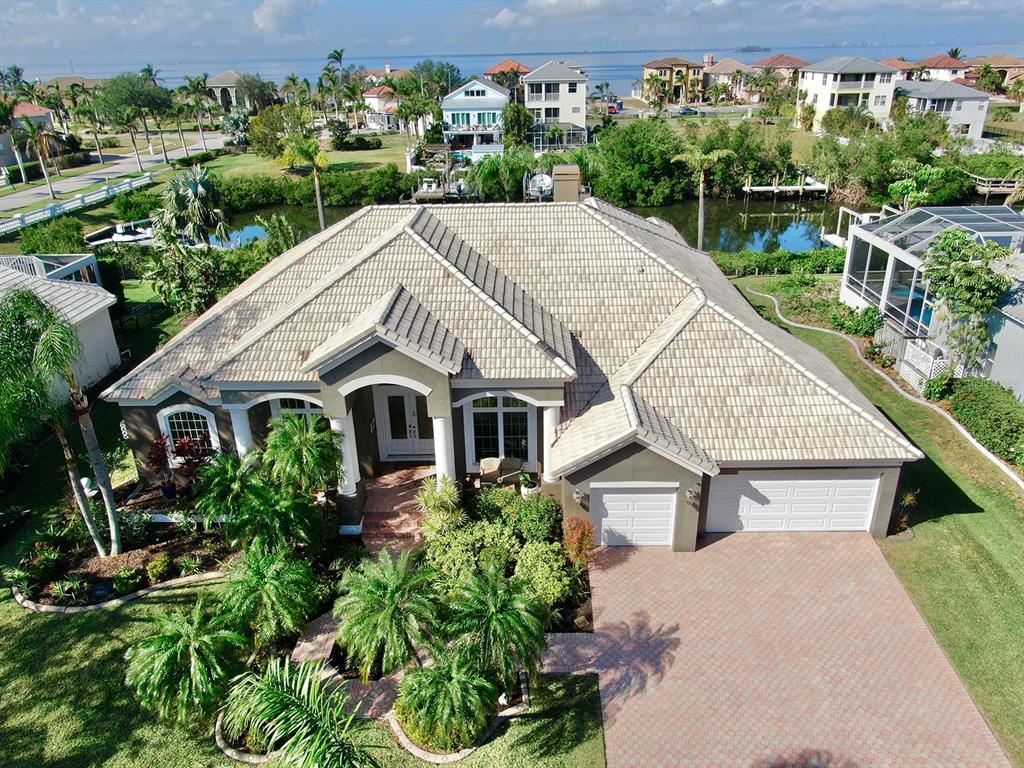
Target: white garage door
(791, 502)
(634, 515)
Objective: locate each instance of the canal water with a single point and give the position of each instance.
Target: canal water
(729, 225)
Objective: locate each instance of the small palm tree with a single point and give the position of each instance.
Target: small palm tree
(191, 206)
(386, 611)
(270, 595)
(35, 138)
(306, 152)
(336, 57)
(301, 453)
(196, 89)
(500, 624)
(224, 485)
(449, 701)
(290, 705)
(182, 669)
(85, 112)
(440, 502)
(700, 162)
(955, 52)
(556, 135)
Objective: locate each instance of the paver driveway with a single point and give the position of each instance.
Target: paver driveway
(761, 649)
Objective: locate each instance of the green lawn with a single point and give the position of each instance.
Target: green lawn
(964, 568)
(393, 151)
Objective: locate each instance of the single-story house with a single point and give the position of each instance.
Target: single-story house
(84, 305)
(884, 269)
(221, 89)
(591, 344)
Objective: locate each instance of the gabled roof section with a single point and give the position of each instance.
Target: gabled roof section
(70, 299)
(898, 63)
(728, 67)
(398, 317)
(507, 65)
(848, 65)
(669, 62)
(780, 61)
(941, 61)
(554, 70)
(228, 78)
(940, 89)
(534, 321)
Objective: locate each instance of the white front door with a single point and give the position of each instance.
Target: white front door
(634, 515)
(404, 429)
(791, 501)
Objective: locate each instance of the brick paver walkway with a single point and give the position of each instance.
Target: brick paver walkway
(390, 516)
(767, 650)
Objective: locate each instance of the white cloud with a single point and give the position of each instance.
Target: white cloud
(506, 18)
(400, 41)
(283, 19)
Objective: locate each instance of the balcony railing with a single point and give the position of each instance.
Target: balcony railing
(475, 128)
(855, 85)
(543, 96)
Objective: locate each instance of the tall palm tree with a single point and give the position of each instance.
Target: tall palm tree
(151, 74)
(182, 670)
(306, 152)
(448, 701)
(700, 162)
(301, 716)
(269, 595)
(385, 612)
(35, 137)
(955, 52)
(290, 86)
(85, 112)
(27, 90)
(500, 624)
(331, 83)
(179, 111)
(192, 206)
(125, 120)
(196, 89)
(11, 77)
(336, 57)
(8, 122)
(27, 397)
(353, 93)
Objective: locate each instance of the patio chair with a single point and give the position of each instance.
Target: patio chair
(495, 471)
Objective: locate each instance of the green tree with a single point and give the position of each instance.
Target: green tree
(27, 398)
(447, 703)
(954, 52)
(807, 116)
(302, 454)
(989, 79)
(85, 112)
(498, 176)
(290, 705)
(36, 138)
(192, 206)
(961, 274)
(196, 91)
(336, 57)
(306, 152)
(258, 92)
(386, 611)
(8, 122)
(182, 669)
(500, 624)
(134, 92)
(700, 163)
(123, 120)
(638, 164)
(556, 135)
(516, 122)
(270, 595)
(187, 279)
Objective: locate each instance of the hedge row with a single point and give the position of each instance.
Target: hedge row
(780, 262)
(32, 169)
(991, 413)
(340, 188)
(202, 157)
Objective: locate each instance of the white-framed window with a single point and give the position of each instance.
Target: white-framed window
(814, 99)
(180, 422)
(959, 105)
(885, 77)
(536, 90)
(497, 426)
(879, 101)
(575, 110)
(295, 405)
(475, 92)
(572, 87)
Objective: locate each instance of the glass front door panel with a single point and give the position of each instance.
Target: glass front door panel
(397, 417)
(424, 424)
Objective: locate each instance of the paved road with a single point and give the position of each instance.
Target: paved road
(125, 165)
(770, 649)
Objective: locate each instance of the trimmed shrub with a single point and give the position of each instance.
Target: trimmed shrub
(32, 170)
(244, 193)
(578, 540)
(992, 414)
(538, 518)
(60, 235)
(862, 322)
(459, 553)
(160, 568)
(940, 386)
(136, 205)
(544, 567)
(493, 502)
(779, 262)
(127, 580)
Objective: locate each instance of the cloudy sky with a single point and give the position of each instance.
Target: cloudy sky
(99, 37)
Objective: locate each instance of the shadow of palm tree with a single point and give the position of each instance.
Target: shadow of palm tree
(569, 715)
(805, 758)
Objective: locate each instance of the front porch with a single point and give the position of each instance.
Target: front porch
(390, 518)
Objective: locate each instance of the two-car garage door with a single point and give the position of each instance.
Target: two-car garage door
(791, 501)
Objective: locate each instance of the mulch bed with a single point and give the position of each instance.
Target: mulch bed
(210, 546)
(576, 616)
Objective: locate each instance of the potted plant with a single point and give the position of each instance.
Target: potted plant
(527, 485)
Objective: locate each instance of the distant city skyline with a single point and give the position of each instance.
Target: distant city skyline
(101, 37)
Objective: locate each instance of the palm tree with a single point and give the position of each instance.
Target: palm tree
(179, 111)
(27, 400)
(954, 52)
(35, 138)
(85, 112)
(336, 57)
(556, 135)
(386, 611)
(500, 624)
(182, 670)
(290, 87)
(27, 90)
(449, 701)
(224, 484)
(8, 123)
(292, 707)
(302, 151)
(331, 84)
(192, 206)
(55, 355)
(700, 162)
(301, 454)
(353, 95)
(270, 595)
(124, 121)
(196, 89)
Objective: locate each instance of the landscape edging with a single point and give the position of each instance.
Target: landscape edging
(116, 602)
(236, 754)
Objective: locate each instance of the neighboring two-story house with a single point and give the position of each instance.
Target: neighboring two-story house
(381, 104)
(472, 117)
(733, 74)
(683, 77)
(556, 94)
(785, 66)
(941, 67)
(847, 81)
(965, 109)
(884, 269)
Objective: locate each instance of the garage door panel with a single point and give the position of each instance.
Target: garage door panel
(637, 517)
(790, 502)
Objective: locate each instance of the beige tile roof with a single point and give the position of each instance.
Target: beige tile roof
(72, 300)
(651, 341)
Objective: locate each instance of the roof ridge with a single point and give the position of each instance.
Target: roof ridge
(705, 461)
(688, 314)
(244, 290)
(568, 366)
(286, 311)
(858, 409)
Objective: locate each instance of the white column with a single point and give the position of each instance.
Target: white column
(444, 447)
(551, 413)
(344, 428)
(243, 432)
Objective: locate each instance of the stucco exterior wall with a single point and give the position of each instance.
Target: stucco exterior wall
(1008, 359)
(634, 463)
(99, 355)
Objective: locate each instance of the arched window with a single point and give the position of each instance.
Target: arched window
(192, 423)
(305, 408)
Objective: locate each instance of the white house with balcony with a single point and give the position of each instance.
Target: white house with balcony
(885, 269)
(965, 109)
(472, 117)
(847, 81)
(556, 94)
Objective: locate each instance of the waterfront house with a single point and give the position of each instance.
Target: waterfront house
(964, 109)
(683, 77)
(847, 81)
(472, 117)
(556, 94)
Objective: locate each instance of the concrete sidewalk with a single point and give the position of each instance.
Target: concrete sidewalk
(63, 187)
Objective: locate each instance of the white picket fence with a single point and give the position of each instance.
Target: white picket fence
(83, 200)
